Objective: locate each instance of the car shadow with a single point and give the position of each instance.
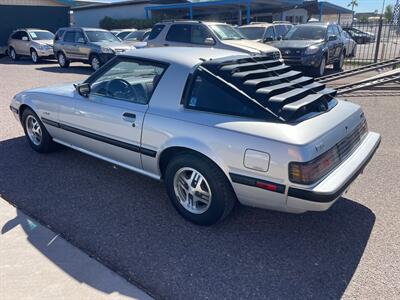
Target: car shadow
(49, 65)
(126, 221)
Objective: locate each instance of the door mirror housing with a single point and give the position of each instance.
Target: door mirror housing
(81, 41)
(332, 38)
(268, 39)
(83, 89)
(209, 41)
(24, 38)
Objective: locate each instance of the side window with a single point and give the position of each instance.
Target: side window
(69, 36)
(129, 80)
(155, 31)
(270, 34)
(179, 33)
(24, 35)
(199, 34)
(330, 31)
(16, 35)
(208, 95)
(335, 30)
(59, 34)
(79, 38)
(280, 30)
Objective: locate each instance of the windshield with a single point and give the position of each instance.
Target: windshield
(135, 36)
(306, 33)
(226, 32)
(41, 35)
(101, 36)
(252, 33)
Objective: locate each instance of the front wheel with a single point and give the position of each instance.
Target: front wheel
(338, 65)
(95, 62)
(62, 60)
(198, 189)
(38, 137)
(320, 70)
(34, 56)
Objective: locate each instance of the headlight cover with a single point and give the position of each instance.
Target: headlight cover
(107, 50)
(313, 49)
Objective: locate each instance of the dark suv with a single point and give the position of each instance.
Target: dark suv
(92, 45)
(313, 45)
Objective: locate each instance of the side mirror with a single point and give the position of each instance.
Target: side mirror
(332, 38)
(268, 39)
(83, 89)
(209, 41)
(279, 37)
(81, 41)
(24, 38)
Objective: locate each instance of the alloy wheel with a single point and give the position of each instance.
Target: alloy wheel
(34, 130)
(34, 56)
(95, 63)
(192, 190)
(61, 59)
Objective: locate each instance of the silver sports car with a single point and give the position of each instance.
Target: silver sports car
(216, 126)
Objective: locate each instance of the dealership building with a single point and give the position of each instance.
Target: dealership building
(231, 11)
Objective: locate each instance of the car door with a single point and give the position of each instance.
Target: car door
(21, 44)
(108, 122)
(339, 41)
(332, 44)
(68, 43)
(81, 48)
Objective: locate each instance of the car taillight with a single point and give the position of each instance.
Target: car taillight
(311, 171)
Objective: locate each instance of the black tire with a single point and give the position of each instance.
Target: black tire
(13, 54)
(320, 70)
(223, 197)
(34, 56)
(46, 144)
(338, 65)
(62, 60)
(95, 62)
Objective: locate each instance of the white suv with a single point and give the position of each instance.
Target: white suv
(205, 34)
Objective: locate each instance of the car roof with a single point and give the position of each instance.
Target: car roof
(191, 22)
(255, 24)
(83, 28)
(184, 56)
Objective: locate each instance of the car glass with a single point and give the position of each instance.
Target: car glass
(41, 35)
(199, 34)
(253, 32)
(132, 81)
(307, 32)
(155, 31)
(69, 36)
(226, 32)
(180, 33)
(95, 36)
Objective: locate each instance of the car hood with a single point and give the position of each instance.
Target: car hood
(113, 45)
(45, 42)
(250, 46)
(297, 44)
(64, 89)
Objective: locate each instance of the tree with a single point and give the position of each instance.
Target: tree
(353, 3)
(388, 12)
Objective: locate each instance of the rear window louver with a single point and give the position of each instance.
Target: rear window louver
(274, 85)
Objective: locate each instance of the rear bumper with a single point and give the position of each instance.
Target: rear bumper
(322, 196)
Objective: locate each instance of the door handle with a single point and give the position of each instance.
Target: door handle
(129, 117)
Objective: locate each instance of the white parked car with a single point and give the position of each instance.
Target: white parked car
(205, 34)
(349, 44)
(33, 43)
(216, 126)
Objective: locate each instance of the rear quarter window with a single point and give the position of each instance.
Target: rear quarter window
(205, 93)
(155, 31)
(179, 33)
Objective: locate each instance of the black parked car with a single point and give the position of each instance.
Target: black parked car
(313, 46)
(361, 37)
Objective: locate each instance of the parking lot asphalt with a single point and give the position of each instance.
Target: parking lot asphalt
(125, 220)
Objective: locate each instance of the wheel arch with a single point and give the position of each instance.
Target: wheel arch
(172, 151)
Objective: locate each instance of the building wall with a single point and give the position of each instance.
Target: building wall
(91, 17)
(31, 2)
(296, 15)
(334, 18)
(44, 17)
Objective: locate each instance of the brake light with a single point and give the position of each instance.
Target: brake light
(310, 172)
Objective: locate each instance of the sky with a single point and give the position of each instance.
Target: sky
(363, 5)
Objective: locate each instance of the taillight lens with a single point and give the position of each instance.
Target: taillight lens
(311, 171)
